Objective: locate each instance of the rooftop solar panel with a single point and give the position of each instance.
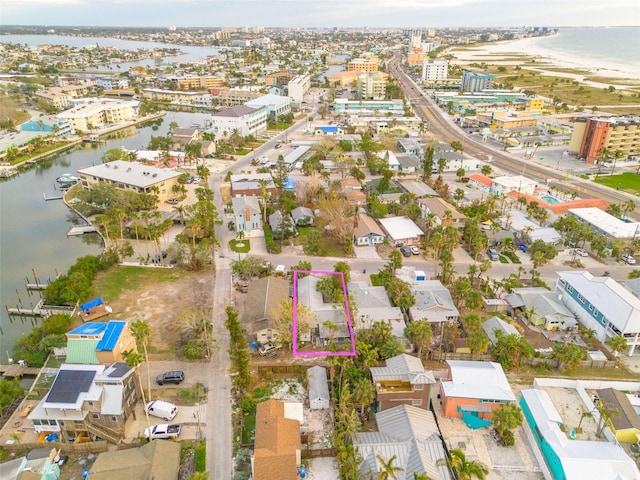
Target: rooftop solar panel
(69, 384)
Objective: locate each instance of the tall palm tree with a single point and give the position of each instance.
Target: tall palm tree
(134, 359)
(466, 469)
(141, 332)
(387, 470)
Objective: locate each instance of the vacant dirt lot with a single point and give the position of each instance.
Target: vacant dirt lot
(165, 306)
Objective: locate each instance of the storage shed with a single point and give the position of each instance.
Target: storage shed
(318, 388)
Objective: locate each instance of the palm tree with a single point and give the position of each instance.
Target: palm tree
(141, 332)
(134, 359)
(466, 469)
(387, 469)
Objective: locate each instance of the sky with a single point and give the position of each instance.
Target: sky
(321, 13)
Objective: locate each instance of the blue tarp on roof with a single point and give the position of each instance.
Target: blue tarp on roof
(289, 184)
(111, 336)
(93, 303)
(89, 328)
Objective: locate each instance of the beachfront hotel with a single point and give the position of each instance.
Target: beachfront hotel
(475, 81)
(593, 135)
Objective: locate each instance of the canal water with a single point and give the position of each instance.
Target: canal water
(33, 232)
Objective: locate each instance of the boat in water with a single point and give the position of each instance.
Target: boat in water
(67, 179)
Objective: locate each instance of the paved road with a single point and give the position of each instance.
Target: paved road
(443, 127)
(218, 428)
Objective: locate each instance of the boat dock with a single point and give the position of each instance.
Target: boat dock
(81, 230)
(55, 197)
(17, 370)
(40, 310)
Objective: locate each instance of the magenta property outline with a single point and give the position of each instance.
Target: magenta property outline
(294, 343)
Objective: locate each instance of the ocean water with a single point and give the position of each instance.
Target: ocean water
(618, 45)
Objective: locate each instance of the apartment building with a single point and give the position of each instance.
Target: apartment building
(435, 70)
(237, 96)
(298, 87)
(133, 176)
(591, 136)
(363, 65)
(276, 105)
(246, 120)
(95, 113)
(112, 83)
(372, 86)
(55, 96)
(194, 82)
(278, 78)
(415, 57)
(475, 81)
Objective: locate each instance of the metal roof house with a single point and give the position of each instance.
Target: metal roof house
(403, 381)
(474, 387)
(566, 459)
(496, 323)
(319, 398)
(602, 304)
(412, 435)
(158, 459)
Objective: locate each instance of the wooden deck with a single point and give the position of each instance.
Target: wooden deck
(95, 312)
(16, 370)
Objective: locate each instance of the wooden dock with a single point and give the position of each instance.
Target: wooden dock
(82, 230)
(15, 370)
(40, 310)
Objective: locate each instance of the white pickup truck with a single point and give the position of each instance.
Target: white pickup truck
(163, 430)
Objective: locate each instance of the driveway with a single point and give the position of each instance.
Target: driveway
(367, 252)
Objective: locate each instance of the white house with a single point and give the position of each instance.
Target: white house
(319, 398)
(605, 223)
(602, 304)
(246, 120)
(516, 183)
(402, 230)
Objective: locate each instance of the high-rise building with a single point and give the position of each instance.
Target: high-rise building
(363, 65)
(593, 137)
(435, 70)
(371, 86)
(475, 81)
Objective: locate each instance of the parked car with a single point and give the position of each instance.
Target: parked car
(175, 376)
(162, 430)
(267, 348)
(405, 251)
(165, 410)
(492, 253)
(581, 252)
(172, 201)
(628, 259)
(415, 250)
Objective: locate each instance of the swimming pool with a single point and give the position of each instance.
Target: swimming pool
(550, 200)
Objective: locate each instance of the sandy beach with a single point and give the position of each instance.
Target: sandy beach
(505, 53)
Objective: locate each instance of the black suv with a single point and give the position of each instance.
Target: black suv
(405, 251)
(170, 377)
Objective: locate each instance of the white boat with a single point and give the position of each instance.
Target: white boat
(67, 179)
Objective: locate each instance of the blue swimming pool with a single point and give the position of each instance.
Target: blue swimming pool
(550, 200)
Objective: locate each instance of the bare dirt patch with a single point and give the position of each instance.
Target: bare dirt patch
(163, 306)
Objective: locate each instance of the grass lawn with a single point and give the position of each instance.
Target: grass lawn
(249, 428)
(503, 259)
(112, 283)
(629, 182)
(512, 256)
(240, 246)
(327, 245)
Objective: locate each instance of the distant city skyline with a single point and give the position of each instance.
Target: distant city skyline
(325, 13)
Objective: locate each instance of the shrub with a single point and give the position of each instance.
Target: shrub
(507, 438)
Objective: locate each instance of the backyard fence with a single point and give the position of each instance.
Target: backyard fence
(88, 447)
(319, 452)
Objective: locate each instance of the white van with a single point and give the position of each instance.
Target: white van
(165, 410)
